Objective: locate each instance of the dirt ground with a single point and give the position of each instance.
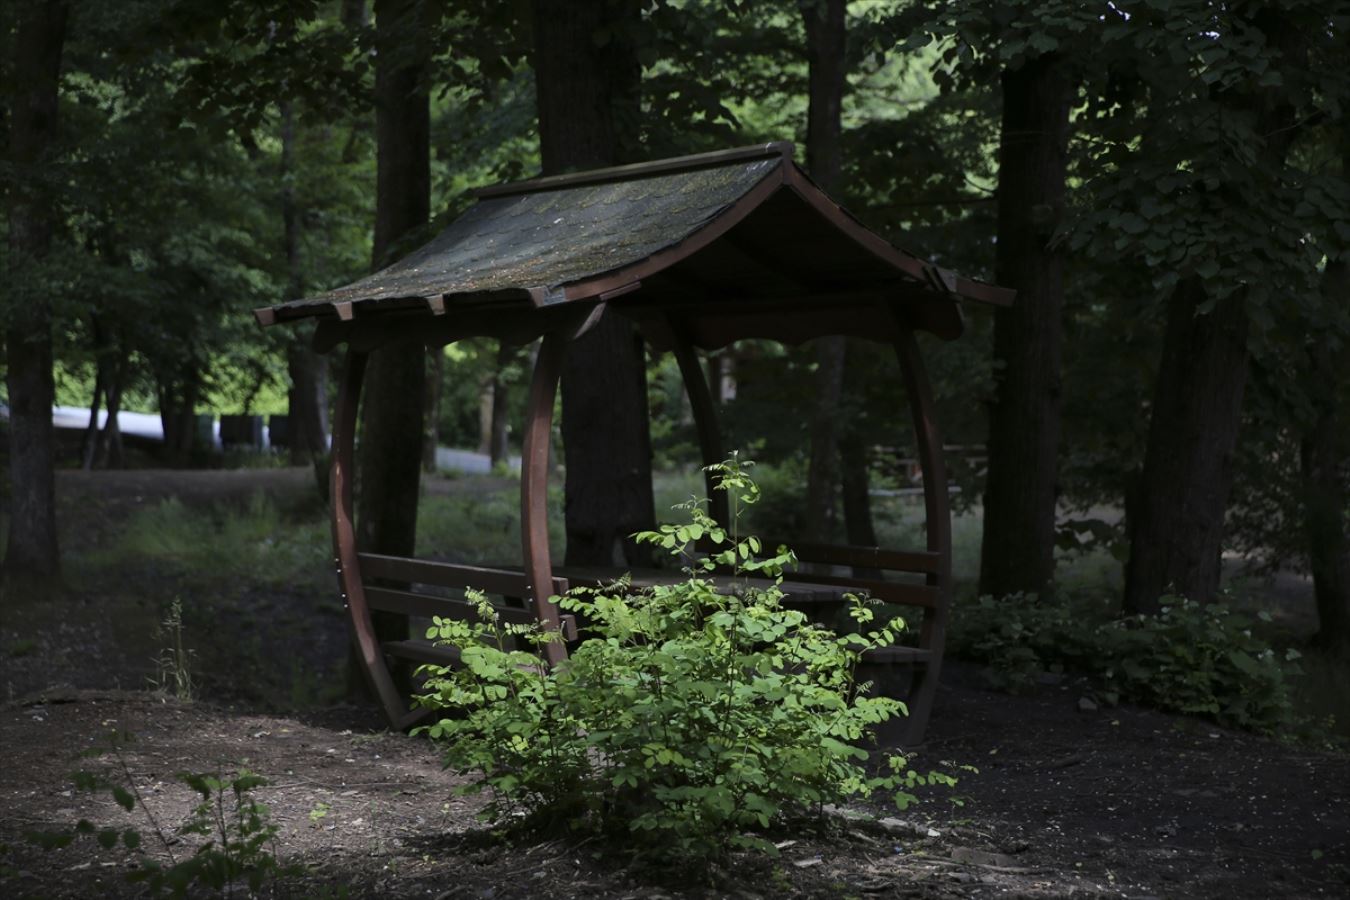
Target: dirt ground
(1067, 802)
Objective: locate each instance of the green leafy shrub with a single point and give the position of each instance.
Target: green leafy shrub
(689, 717)
(1202, 659)
(236, 839)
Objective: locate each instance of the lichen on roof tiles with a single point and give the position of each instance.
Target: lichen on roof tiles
(549, 238)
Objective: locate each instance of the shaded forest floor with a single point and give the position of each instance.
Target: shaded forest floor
(1067, 802)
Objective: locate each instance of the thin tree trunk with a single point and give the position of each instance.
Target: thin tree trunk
(825, 45)
(498, 449)
(1325, 468)
(1018, 550)
(391, 438)
(108, 448)
(586, 96)
(32, 551)
(306, 429)
(431, 414)
(89, 444)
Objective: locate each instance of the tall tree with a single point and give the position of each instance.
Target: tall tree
(1324, 465)
(1176, 515)
(1018, 549)
(308, 395)
(826, 69)
(391, 438)
(587, 78)
(39, 40)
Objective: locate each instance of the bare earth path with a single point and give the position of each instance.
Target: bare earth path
(1116, 802)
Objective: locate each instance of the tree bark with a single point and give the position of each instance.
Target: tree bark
(108, 445)
(89, 443)
(1175, 518)
(178, 390)
(391, 438)
(390, 470)
(825, 52)
(31, 551)
(1018, 551)
(587, 90)
(1175, 523)
(498, 449)
(1325, 468)
(308, 397)
(431, 414)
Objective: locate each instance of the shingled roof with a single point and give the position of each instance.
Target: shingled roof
(660, 226)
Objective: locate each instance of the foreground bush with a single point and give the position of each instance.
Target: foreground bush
(688, 719)
(1201, 659)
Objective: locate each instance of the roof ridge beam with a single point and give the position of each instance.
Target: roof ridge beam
(770, 150)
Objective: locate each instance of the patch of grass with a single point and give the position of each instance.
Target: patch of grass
(254, 542)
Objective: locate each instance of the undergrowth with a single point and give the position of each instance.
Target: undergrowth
(688, 720)
(254, 541)
(1199, 659)
(226, 845)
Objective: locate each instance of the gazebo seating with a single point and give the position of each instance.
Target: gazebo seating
(699, 252)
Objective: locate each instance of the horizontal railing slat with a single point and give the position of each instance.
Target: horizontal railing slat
(887, 591)
(505, 582)
(925, 562)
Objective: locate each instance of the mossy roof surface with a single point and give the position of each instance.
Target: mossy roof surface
(542, 240)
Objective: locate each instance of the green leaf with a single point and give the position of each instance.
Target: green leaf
(124, 798)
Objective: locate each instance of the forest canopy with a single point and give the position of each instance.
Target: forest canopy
(1164, 183)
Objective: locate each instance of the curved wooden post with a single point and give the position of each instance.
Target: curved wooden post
(705, 421)
(938, 528)
(534, 485)
(348, 565)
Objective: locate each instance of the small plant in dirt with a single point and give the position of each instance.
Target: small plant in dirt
(173, 666)
(236, 841)
(690, 719)
(1202, 659)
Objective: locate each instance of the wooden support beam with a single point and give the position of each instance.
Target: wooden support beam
(345, 557)
(534, 485)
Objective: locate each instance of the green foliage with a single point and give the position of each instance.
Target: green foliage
(254, 540)
(688, 717)
(235, 839)
(1201, 659)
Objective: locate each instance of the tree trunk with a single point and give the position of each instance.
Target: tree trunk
(391, 437)
(308, 401)
(1018, 551)
(498, 449)
(586, 93)
(89, 443)
(431, 414)
(31, 552)
(1175, 518)
(178, 390)
(1325, 468)
(825, 53)
(1176, 521)
(108, 448)
(307, 411)
(853, 470)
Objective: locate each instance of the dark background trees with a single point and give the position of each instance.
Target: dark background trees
(1166, 187)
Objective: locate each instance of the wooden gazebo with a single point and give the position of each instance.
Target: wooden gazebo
(699, 252)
